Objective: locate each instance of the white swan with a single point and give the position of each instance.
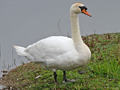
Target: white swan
(58, 52)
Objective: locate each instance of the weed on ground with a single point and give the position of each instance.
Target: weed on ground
(101, 73)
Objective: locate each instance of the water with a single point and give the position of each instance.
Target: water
(1, 86)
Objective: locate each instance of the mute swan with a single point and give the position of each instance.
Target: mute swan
(59, 52)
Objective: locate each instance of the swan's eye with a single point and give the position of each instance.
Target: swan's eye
(82, 7)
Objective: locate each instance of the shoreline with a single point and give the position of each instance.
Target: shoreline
(23, 76)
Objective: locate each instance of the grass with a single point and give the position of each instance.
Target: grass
(101, 73)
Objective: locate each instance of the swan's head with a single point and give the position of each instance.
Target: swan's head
(79, 8)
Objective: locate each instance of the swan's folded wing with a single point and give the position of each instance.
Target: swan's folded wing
(50, 48)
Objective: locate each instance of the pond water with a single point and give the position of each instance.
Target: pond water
(1, 87)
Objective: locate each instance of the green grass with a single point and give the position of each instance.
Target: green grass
(101, 73)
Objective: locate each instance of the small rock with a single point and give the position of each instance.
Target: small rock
(4, 75)
(81, 72)
(4, 71)
(38, 77)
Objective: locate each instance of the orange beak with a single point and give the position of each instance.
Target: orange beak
(86, 12)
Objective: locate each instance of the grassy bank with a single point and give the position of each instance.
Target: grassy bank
(102, 72)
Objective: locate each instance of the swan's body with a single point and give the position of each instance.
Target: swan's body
(58, 52)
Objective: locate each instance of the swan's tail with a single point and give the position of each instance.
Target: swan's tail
(21, 51)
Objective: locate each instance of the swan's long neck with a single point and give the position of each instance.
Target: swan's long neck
(76, 36)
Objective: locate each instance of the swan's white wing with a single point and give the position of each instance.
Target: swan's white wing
(50, 48)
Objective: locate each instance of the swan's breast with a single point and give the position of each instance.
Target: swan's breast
(84, 54)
